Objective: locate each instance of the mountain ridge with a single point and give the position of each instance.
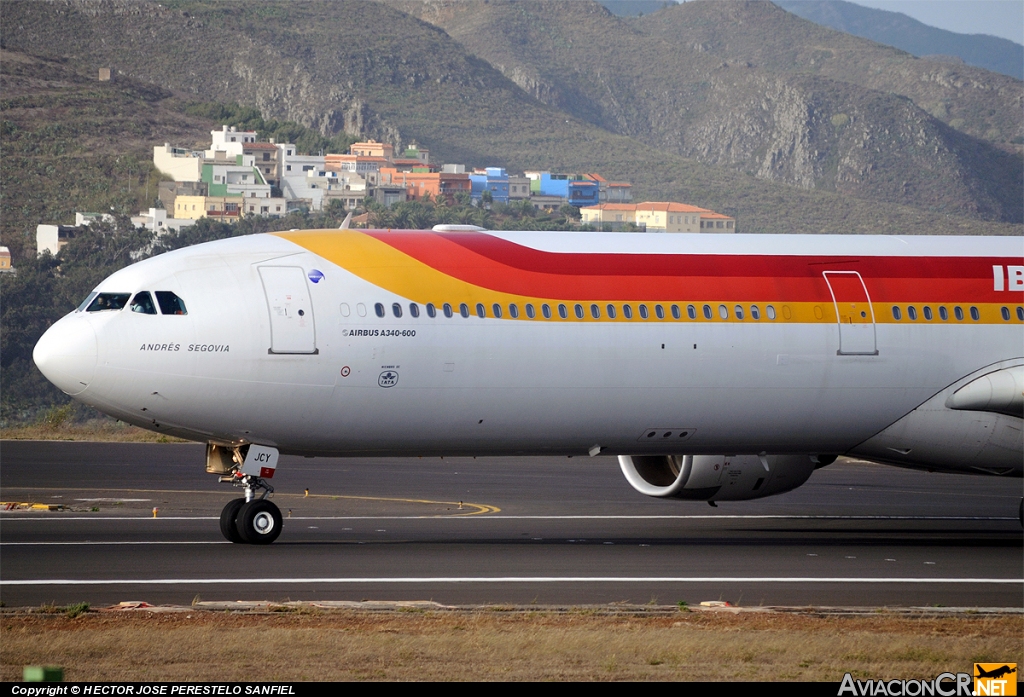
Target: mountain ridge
(676, 81)
(908, 34)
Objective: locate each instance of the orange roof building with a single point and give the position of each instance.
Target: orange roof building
(437, 184)
(373, 149)
(657, 216)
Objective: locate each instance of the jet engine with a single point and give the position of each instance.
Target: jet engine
(719, 477)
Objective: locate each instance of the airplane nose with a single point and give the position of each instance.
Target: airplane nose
(66, 354)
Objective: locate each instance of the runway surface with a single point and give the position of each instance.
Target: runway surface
(529, 530)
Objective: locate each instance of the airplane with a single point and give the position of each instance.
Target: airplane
(716, 367)
(994, 673)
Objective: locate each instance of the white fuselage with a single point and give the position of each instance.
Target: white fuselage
(454, 385)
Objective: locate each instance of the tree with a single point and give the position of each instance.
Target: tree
(569, 212)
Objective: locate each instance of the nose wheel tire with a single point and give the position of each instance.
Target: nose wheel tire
(258, 522)
(228, 521)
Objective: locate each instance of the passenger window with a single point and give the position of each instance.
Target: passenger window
(562, 312)
(464, 310)
(530, 312)
(707, 312)
(481, 311)
(896, 314)
(739, 311)
(379, 309)
(943, 314)
(659, 311)
(345, 310)
(396, 309)
(1005, 311)
(958, 312)
(579, 311)
(927, 311)
(627, 312)
(975, 315)
(723, 312)
(912, 313)
(361, 309)
(595, 312)
(611, 311)
(1020, 313)
(431, 310)
(642, 309)
(513, 310)
(770, 311)
(448, 310)
(754, 312)
(143, 304)
(108, 301)
(546, 309)
(496, 308)
(414, 309)
(691, 312)
(676, 314)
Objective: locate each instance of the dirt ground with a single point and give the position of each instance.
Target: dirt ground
(305, 643)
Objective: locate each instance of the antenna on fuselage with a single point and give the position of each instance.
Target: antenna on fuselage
(346, 221)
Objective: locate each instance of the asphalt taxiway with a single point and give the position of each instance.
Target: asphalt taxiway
(500, 531)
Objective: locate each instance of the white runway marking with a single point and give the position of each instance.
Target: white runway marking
(503, 579)
(123, 542)
(10, 518)
(58, 517)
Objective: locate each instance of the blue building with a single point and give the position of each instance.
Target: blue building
(495, 180)
(576, 190)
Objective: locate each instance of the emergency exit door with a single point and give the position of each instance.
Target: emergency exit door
(854, 313)
(292, 329)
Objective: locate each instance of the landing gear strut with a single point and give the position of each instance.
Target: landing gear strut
(256, 521)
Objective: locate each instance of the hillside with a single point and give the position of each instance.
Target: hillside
(71, 143)
(976, 102)
(907, 34)
(315, 63)
(750, 87)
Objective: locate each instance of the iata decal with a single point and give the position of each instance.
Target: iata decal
(389, 378)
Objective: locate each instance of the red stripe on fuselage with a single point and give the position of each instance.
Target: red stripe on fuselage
(496, 264)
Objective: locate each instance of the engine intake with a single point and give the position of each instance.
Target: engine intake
(718, 477)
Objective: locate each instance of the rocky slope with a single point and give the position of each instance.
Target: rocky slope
(746, 85)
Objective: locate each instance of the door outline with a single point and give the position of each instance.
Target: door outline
(854, 334)
(282, 334)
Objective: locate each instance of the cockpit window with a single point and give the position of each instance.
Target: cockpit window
(85, 303)
(170, 304)
(108, 301)
(143, 303)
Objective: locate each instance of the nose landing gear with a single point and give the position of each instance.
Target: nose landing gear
(258, 522)
(255, 521)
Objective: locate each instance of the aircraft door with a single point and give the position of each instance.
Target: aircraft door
(854, 312)
(291, 310)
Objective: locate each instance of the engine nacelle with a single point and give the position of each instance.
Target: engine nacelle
(718, 477)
